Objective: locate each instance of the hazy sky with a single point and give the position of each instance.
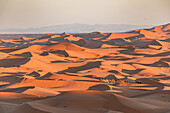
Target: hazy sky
(38, 13)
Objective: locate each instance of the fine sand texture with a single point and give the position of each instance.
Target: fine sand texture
(87, 72)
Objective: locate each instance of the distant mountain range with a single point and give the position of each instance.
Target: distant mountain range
(77, 28)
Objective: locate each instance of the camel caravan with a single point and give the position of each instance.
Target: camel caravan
(114, 80)
(119, 81)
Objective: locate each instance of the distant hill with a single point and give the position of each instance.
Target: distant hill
(77, 28)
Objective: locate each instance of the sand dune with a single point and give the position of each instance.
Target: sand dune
(120, 35)
(72, 38)
(26, 39)
(63, 46)
(100, 102)
(88, 43)
(87, 72)
(12, 62)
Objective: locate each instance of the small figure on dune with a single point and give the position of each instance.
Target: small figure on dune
(138, 82)
(100, 80)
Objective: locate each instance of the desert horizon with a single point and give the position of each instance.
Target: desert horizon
(75, 28)
(127, 72)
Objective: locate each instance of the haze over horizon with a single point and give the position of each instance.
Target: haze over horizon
(40, 13)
